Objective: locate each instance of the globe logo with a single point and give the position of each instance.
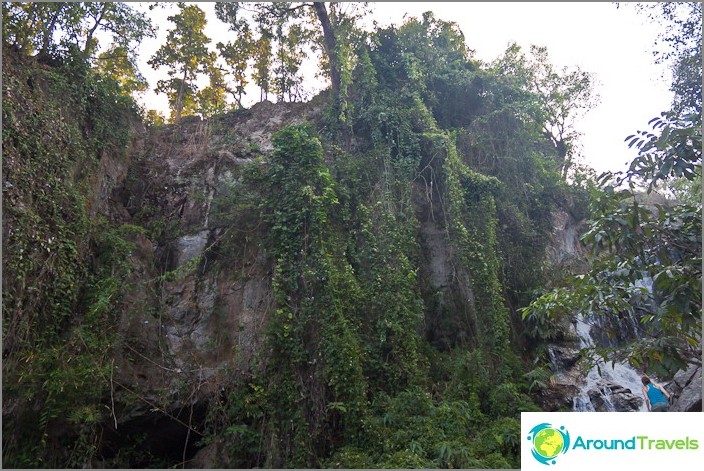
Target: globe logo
(548, 442)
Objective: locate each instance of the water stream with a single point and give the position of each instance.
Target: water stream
(601, 375)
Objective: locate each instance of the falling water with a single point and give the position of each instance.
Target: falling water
(600, 374)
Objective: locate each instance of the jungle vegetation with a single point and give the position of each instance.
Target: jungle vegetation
(366, 363)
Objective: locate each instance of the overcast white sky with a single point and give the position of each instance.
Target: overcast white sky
(615, 45)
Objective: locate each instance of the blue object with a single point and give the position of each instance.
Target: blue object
(655, 395)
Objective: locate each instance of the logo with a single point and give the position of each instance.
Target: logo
(548, 442)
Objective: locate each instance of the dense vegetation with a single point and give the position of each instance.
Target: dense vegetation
(367, 362)
(356, 309)
(647, 261)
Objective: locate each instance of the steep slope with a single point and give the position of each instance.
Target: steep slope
(270, 288)
(68, 138)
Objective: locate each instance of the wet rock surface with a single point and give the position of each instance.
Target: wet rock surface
(564, 357)
(612, 397)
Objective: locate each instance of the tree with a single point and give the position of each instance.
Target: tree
(679, 44)
(212, 99)
(186, 54)
(563, 96)
(283, 33)
(182, 96)
(236, 55)
(262, 65)
(127, 26)
(647, 256)
(293, 21)
(33, 26)
(289, 57)
(647, 262)
(154, 118)
(330, 42)
(117, 64)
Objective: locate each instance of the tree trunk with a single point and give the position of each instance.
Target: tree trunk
(330, 43)
(91, 43)
(48, 33)
(179, 99)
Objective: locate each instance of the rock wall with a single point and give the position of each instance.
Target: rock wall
(193, 317)
(686, 388)
(604, 394)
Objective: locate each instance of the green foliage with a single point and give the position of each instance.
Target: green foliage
(32, 27)
(561, 96)
(68, 268)
(275, 38)
(185, 53)
(393, 307)
(538, 378)
(236, 54)
(473, 222)
(348, 313)
(544, 317)
(346, 376)
(116, 64)
(314, 330)
(647, 261)
(262, 65)
(127, 26)
(154, 118)
(287, 82)
(679, 45)
(212, 99)
(413, 431)
(673, 153)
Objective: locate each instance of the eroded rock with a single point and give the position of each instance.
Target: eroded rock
(612, 397)
(686, 387)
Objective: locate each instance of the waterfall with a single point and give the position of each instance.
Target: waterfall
(599, 383)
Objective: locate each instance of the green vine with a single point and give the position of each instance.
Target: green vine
(473, 220)
(67, 268)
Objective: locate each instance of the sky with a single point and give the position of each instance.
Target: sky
(613, 44)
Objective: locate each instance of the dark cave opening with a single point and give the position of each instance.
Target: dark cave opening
(156, 439)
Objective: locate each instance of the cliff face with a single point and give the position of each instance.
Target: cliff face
(193, 319)
(218, 298)
(181, 325)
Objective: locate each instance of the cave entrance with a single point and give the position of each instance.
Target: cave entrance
(156, 440)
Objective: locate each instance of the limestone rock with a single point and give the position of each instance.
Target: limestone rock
(191, 246)
(687, 390)
(563, 357)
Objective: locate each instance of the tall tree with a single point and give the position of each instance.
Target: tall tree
(212, 99)
(127, 26)
(186, 54)
(334, 35)
(679, 44)
(331, 47)
(262, 65)
(236, 55)
(35, 26)
(31, 26)
(289, 57)
(563, 96)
